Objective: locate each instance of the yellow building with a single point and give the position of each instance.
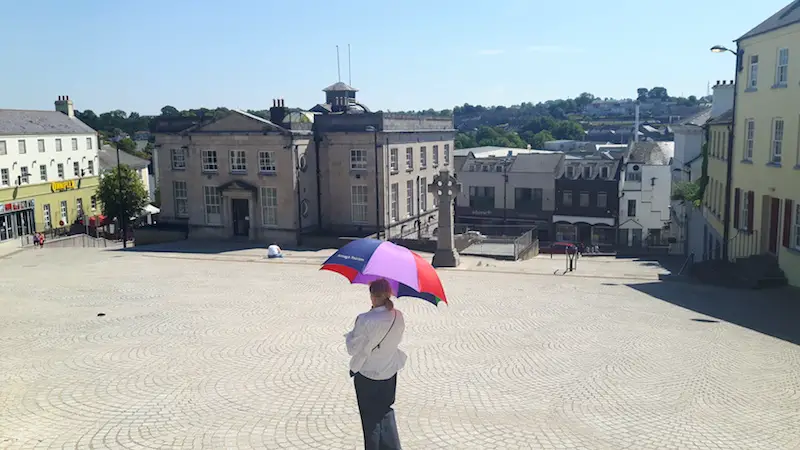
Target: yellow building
(48, 170)
(765, 214)
(717, 131)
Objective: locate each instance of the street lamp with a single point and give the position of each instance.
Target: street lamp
(726, 232)
(377, 188)
(120, 203)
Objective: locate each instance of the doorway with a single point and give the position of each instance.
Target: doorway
(240, 213)
(774, 214)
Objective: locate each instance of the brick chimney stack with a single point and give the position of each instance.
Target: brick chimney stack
(64, 105)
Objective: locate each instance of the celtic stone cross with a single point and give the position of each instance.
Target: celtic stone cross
(445, 188)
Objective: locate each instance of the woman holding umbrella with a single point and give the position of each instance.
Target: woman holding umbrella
(375, 361)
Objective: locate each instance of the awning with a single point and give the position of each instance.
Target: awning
(150, 209)
(581, 219)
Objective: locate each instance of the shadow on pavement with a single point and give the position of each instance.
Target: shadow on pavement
(210, 247)
(772, 312)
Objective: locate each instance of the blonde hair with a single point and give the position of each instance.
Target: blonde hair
(381, 289)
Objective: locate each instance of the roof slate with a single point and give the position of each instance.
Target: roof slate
(788, 15)
(652, 153)
(726, 117)
(698, 119)
(28, 122)
(340, 86)
(108, 159)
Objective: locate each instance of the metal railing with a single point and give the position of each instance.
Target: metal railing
(744, 244)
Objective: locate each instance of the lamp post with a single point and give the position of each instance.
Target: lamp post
(726, 220)
(120, 203)
(377, 185)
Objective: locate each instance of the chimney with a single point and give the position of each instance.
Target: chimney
(722, 97)
(636, 123)
(278, 112)
(64, 105)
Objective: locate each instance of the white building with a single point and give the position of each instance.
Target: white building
(646, 188)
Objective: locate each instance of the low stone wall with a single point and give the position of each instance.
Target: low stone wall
(417, 245)
(149, 236)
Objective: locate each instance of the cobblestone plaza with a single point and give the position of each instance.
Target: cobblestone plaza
(205, 352)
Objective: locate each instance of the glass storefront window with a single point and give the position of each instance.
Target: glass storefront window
(566, 233)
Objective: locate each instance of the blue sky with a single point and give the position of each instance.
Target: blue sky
(409, 54)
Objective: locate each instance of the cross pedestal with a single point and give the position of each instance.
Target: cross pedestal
(445, 188)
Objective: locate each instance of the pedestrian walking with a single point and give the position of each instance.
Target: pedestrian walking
(375, 361)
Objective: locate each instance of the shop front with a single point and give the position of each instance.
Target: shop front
(17, 219)
(596, 231)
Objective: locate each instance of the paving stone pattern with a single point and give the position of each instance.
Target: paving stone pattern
(204, 353)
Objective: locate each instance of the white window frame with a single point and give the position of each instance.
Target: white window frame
(238, 161)
(423, 157)
(93, 202)
(178, 158)
(74, 144)
(24, 175)
(570, 172)
(60, 171)
(266, 162)
(423, 194)
(604, 171)
(269, 206)
(446, 154)
(410, 198)
(212, 205)
(394, 199)
(752, 73)
(47, 215)
(359, 203)
(394, 159)
(90, 167)
(40, 145)
(750, 138)
(409, 158)
(59, 147)
(5, 177)
(22, 146)
(180, 192)
(3, 149)
(89, 143)
(79, 206)
(43, 172)
(210, 161)
(358, 159)
(76, 168)
(776, 149)
(796, 238)
(782, 67)
(435, 156)
(64, 213)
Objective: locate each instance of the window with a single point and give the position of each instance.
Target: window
(744, 219)
(602, 199)
(90, 167)
(4, 178)
(266, 162)
(435, 156)
(584, 199)
(48, 218)
(446, 154)
(777, 140)
(178, 157)
(21, 146)
(481, 197)
(566, 198)
(93, 202)
(358, 203)
(410, 198)
(423, 194)
(358, 159)
(58, 145)
(40, 145)
(634, 175)
(631, 208)
(570, 172)
(213, 205)
(79, 206)
(88, 143)
(752, 82)
(74, 144)
(210, 161)
(269, 206)
(423, 157)
(409, 158)
(76, 169)
(60, 169)
(24, 174)
(64, 215)
(749, 141)
(238, 161)
(587, 172)
(797, 226)
(527, 199)
(782, 67)
(3, 150)
(43, 172)
(394, 197)
(181, 195)
(394, 161)
(604, 172)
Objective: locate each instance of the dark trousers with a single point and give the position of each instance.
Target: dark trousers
(375, 400)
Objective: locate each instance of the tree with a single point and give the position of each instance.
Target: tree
(170, 111)
(537, 140)
(128, 203)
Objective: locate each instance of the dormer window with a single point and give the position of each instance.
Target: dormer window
(604, 172)
(570, 172)
(498, 168)
(587, 172)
